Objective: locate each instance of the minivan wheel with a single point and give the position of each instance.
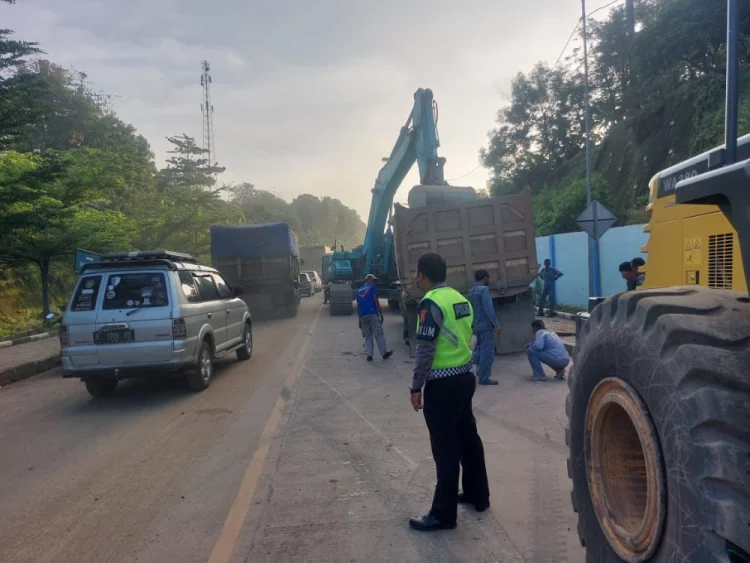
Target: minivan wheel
(101, 387)
(200, 377)
(245, 352)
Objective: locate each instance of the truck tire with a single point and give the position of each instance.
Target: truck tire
(659, 427)
(340, 299)
(394, 306)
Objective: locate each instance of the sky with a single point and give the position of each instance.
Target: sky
(308, 95)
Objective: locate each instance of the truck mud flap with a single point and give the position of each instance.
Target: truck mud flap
(515, 315)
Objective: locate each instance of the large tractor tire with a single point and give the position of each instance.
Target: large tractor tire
(340, 299)
(659, 428)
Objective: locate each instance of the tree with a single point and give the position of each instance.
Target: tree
(188, 166)
(48, 209)
(540, 128)
(20, 93)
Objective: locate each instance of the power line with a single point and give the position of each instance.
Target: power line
(467, 174)
(575, 29)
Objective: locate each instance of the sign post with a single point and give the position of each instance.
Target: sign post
(83, 257)
(595, 220)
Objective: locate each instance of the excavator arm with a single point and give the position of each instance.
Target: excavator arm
(417, 142)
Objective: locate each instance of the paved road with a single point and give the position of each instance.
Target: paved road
(305, 453)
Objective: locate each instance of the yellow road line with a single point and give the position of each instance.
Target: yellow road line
(227, 541)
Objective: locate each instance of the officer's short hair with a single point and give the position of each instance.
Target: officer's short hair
(432, 266)
(626, 267)
(548, 262)
(638, 261)
(479, 275)
(537, 323)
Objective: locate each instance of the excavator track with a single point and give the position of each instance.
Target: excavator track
(340, 300)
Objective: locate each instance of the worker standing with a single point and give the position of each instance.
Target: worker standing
(443, 368)
(549, 276)
(485, 327)
(371, 318)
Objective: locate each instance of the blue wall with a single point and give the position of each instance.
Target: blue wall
(569, 254)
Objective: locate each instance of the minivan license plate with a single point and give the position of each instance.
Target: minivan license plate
(113, 336)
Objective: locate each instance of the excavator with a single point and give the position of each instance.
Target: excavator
(417, 142)
(659, 393)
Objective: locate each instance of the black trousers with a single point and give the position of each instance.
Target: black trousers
(455, 440)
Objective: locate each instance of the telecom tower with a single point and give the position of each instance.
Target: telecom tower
(207, 110)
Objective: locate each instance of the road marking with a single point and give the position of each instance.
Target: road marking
(374, 428)
(227, 541)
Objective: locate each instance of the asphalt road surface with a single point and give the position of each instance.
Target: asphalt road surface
(304, 453)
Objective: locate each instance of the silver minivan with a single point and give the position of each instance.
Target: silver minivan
(151, 313)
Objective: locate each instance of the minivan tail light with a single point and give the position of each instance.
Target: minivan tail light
(63, 334)
(179, 329)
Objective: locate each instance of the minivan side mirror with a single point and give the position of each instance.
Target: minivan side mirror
(238, 290)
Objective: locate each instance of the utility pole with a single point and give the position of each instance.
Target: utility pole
(594, 267)
(207, 111)
(630, 17)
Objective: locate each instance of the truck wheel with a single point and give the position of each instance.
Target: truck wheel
(199, 378)
(246, 352)
(659, 427)
(101, 387)
(394, 306)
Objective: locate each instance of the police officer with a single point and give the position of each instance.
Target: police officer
(443, 368)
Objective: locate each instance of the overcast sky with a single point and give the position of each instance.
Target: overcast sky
(309, 95)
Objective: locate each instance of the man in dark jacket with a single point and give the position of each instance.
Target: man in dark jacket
(549, 277)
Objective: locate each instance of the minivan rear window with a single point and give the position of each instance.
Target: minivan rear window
(86, 294)
(128, 291)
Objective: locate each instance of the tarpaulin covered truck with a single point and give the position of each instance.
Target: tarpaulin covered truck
(263, 258)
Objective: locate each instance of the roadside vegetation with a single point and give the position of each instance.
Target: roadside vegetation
(73, 175)
(657, 98)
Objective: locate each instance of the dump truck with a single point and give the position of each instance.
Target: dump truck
(494, 234)
(263, 259)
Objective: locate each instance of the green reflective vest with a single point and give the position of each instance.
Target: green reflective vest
(452, 345)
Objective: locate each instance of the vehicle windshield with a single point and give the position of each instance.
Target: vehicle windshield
(131, 290)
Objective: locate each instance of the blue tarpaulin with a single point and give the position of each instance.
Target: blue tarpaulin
(261, 240)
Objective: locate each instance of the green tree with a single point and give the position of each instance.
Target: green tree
(188, 165)
(20, 93)
(48, 209)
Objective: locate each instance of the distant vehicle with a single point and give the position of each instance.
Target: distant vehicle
(305, 285)
(264, 259)
(316, 281)
(151, 313)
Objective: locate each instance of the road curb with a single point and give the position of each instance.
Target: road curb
(28, 369)
(26, 339)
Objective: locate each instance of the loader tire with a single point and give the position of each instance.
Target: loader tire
(340, 299)
(659, 428)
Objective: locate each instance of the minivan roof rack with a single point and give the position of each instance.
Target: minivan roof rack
(149, 255)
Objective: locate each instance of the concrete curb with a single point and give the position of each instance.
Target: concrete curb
(28, 369)
(26, 339)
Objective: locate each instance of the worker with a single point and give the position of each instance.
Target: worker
(638, 263)
(549, 276)
(630, 274)
(485, 327)
(443, 368)
(547, 348)
(371, 318)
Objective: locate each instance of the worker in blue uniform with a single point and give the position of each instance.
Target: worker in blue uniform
(371, 318)
(485, 327)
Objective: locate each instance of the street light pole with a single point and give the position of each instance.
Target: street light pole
(594, 268)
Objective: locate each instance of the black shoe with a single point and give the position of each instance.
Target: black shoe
(479, 506)
(388, 354)
(369, 358)
(429, 524)
(488, 382)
